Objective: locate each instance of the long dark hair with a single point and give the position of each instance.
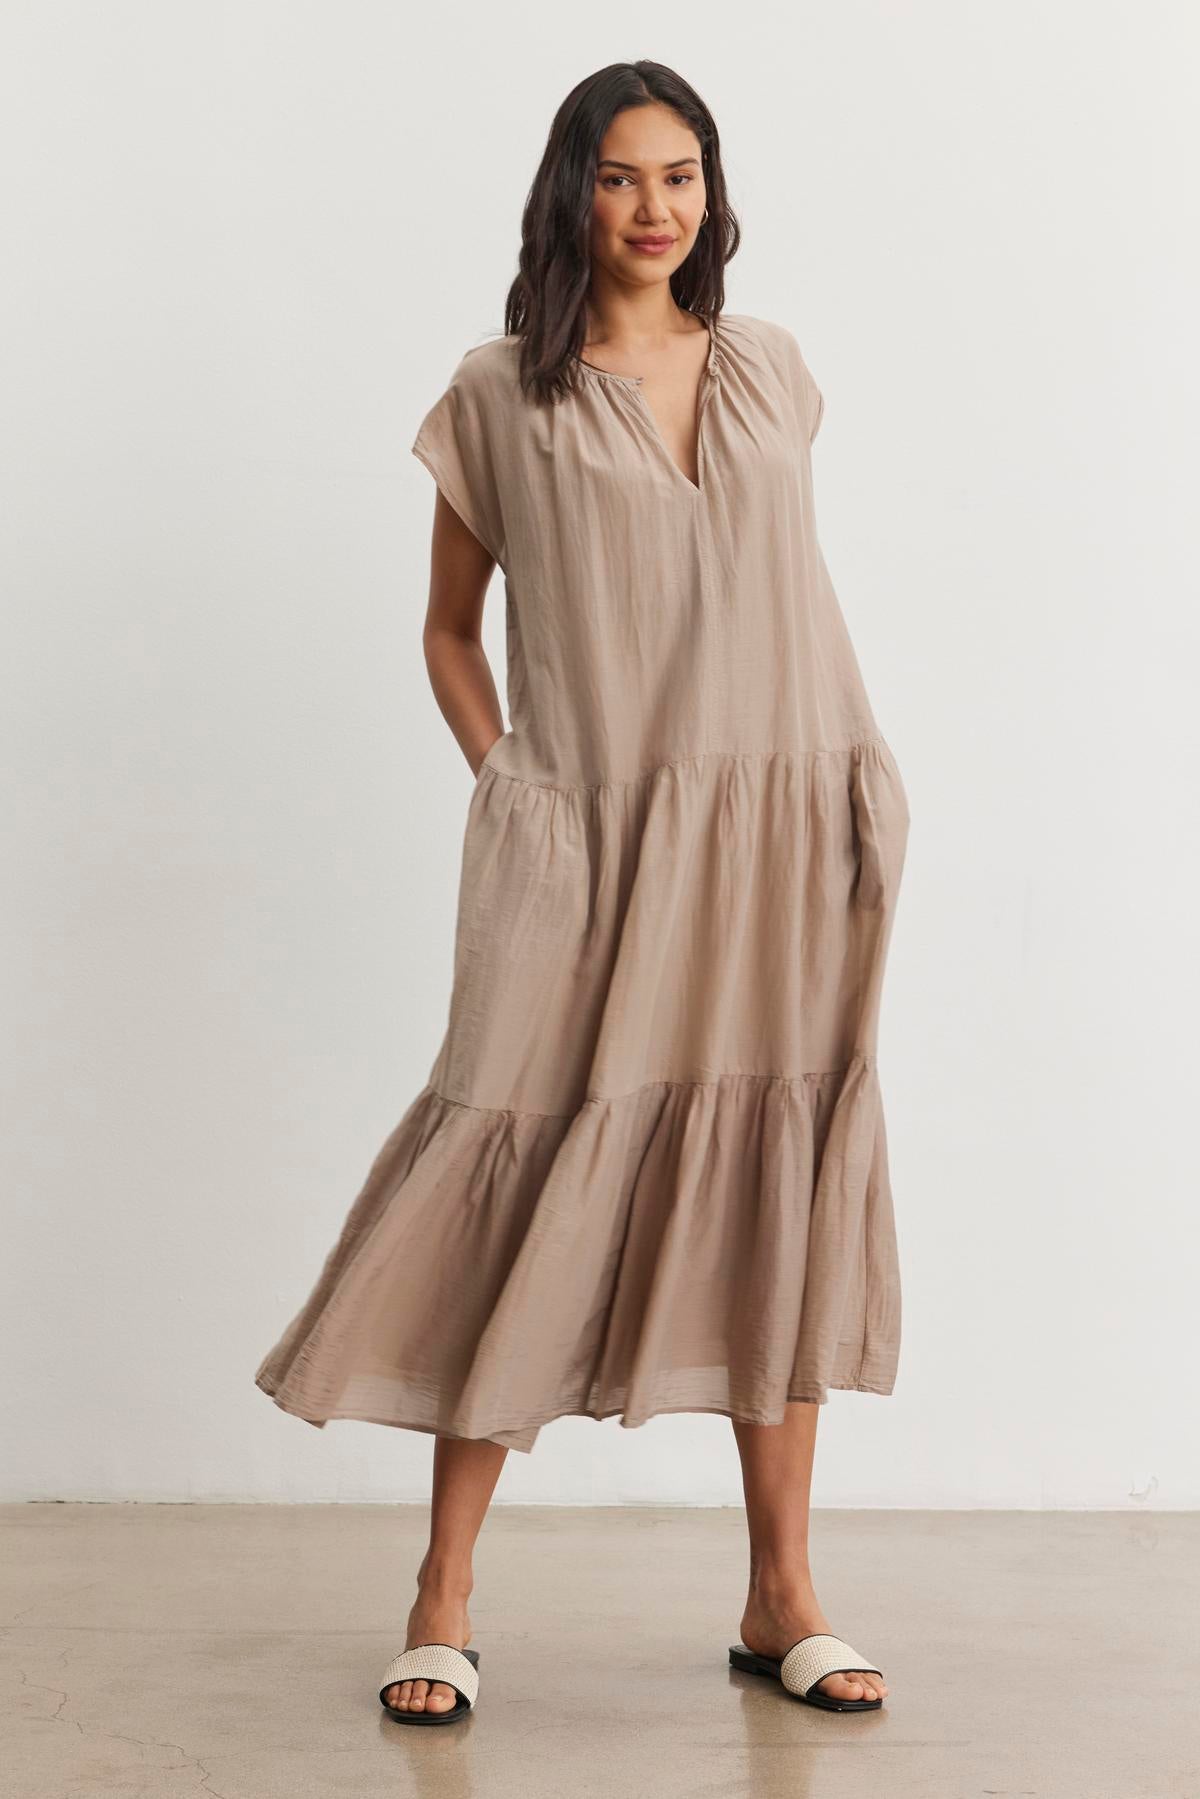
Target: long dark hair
(546, 305)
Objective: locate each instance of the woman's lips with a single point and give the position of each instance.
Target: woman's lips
(650, 246)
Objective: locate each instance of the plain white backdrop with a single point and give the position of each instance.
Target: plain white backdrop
(246, 245)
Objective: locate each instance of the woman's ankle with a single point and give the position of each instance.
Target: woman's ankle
(779, 1580)
(447, 1578)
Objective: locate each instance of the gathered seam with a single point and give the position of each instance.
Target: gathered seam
(681, 761)
(608, 1099)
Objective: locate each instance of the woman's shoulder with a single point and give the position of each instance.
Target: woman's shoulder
(490, 364)
(765, 342)
(748, 328)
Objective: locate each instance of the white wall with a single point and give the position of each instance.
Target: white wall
(246, 245)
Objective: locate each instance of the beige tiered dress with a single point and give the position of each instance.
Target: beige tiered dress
(648, 1172)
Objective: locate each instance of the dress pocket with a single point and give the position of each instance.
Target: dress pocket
(881, 821)
(487, 763)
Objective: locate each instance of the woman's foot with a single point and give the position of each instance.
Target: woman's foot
(438, 1615)
(779, 1613)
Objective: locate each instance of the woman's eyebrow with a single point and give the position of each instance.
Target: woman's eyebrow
(612, 163)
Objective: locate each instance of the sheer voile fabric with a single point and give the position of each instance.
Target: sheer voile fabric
(648, 1172)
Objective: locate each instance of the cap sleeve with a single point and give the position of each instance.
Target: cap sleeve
(809, 398)
(454, 442)
(818, 411)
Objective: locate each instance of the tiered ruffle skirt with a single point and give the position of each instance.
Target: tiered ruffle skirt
(649, 1171)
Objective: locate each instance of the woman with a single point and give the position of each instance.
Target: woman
(649, 1171)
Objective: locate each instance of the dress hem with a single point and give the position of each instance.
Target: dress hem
(511, 1439)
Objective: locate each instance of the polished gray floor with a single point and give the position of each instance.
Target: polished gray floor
(169, 1652)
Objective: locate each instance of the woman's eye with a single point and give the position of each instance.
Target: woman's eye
(680, 175)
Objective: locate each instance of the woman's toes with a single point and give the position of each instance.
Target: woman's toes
(864, 1686)
(421, 1696)
(844, 1686)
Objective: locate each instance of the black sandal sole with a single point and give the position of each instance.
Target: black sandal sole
(749, 1663)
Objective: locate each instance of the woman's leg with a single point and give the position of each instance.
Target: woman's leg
(781, 1606)
(465, 1472)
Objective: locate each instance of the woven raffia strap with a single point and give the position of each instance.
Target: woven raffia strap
(434, 1661)
(812, 1658)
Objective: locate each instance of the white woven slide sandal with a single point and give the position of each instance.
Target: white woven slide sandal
(434, 1661)
(807, 1662)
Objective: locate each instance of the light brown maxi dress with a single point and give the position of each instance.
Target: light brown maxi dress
(649, 1170)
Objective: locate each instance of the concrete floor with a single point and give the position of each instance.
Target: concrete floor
(168, 1652)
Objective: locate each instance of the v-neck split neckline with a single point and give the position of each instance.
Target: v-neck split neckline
(708, 380)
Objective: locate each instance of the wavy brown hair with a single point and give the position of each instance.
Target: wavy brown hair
(546, 304)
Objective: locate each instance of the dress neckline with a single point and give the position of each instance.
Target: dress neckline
(709, 381)
(711, 365)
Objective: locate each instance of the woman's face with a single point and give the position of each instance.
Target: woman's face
(649, 184)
